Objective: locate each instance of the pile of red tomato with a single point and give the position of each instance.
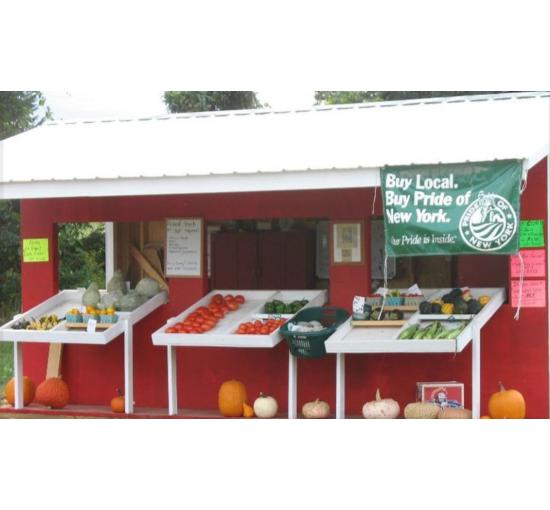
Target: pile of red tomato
(260, 327)
(203, 319)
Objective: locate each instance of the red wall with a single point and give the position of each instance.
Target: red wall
(514, 352)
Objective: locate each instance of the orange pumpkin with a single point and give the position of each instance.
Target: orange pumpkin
(231, 397)
(248, 411)
(53, 392)
(485, 418)
(28, 391)
(117, 403)
(507, 404)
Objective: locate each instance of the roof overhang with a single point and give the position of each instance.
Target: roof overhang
(341, 146)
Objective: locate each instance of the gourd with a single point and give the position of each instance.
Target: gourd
(116, 283)
(231, 397)
(53, 392)
(483, 300)
(248, 411)
(117, 403)
(436, 308)
(425, 308)
(265, 406)
(91, 296)
(28, 391)
(507, 404)
(381, 408)
(112, 299)
(460, 306)
(130, 301)
(447, 309)
(148, 287)
(316, 409)
(474, 306)
(450, 413)
(421, 410)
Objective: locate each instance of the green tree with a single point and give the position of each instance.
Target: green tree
(202, 101)
(361, 96)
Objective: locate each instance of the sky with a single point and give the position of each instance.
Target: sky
(77, 105)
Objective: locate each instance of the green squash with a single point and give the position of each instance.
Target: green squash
(460, 306)
(474, 306)
(425, 308)
(436, 308)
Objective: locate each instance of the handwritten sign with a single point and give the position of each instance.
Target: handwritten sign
(36, 250)
(531, 234)
(533, 295)
(534, 263)
(184, 247)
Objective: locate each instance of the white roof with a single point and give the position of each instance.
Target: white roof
(338, 146)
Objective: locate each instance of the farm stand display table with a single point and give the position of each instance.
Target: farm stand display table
(59, 305)
(348, 339)
(224, 333)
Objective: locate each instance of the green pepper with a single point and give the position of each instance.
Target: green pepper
(269, 307)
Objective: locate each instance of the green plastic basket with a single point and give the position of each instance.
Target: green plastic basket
(312, 345)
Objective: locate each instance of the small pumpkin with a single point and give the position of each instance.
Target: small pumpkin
(447, 309)
(53, 392)
(316, 409)
(231, 397)
(507, 404)
(248, 411)
(381, 408)
(454, 413)
(29, 390)
(483, 300)
(265, 406)
(117, 403)
(421, 410)
(485, 417)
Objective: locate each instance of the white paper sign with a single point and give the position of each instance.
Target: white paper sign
(184, 247)
(92, 323)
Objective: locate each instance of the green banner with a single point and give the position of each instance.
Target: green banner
(452, 209)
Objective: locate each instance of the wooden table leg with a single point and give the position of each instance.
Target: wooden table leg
(292, 386)
(172, 381)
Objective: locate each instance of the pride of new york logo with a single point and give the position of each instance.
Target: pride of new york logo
(488, 223)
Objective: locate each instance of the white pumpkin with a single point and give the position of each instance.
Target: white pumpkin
(421, 410)
(265, 406)
(381, 408)
(316, 409)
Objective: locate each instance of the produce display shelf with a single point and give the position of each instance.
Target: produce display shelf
(349, 340)
(59, 305)
(223, 334)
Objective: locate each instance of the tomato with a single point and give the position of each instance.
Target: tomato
(226, 308)
(200, 319)
(232, 305)
(188, 329)
(217, 299)
(264, 330)
(228, 297)
(206, 327)
(212, 307)
(239, 299)
(170, 330)
(219, 314)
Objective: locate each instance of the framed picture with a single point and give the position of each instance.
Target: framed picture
(347, 242)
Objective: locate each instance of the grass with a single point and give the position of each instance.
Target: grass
(6, 364)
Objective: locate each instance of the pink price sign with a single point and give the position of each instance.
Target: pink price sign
(534, 263)
(532, 296)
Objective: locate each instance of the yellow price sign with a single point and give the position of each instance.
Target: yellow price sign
(36, 250)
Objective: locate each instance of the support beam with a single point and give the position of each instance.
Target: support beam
(18, 374)
(128, 368)
(292, 386)
(172, 381)
(340, 385)
(476, 371)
